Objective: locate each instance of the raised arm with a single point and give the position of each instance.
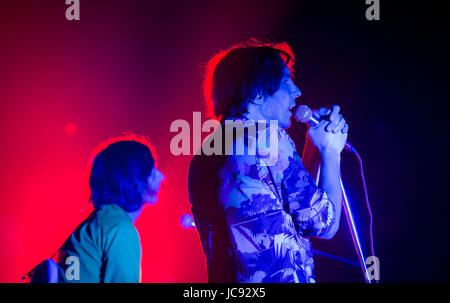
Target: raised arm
(328, 138)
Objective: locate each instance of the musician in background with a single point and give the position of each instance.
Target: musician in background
(123, 179)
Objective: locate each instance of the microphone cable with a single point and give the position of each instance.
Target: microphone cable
(366, 197)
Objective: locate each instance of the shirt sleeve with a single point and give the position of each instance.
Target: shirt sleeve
(121, 260)
(313, 213)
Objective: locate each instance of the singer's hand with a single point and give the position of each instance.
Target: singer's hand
(337, 122)
(329, 137)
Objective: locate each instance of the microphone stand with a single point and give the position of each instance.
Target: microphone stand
(354, 233)
(348, 213)
(353, 230)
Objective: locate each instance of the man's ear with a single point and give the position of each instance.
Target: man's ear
(258, 100)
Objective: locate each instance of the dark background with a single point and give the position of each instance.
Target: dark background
(136, 66)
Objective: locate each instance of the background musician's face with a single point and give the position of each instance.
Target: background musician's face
(154, 184)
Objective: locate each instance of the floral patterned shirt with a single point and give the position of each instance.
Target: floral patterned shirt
(255, 214)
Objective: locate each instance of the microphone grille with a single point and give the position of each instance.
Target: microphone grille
(303, 114)
(187, 221)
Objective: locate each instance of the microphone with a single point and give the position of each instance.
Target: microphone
(305, 115)
(187, 221)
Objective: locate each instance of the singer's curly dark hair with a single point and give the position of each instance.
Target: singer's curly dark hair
(237, 75)
(120, 171)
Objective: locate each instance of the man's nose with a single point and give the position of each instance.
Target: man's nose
(296, 92)
(160, 176)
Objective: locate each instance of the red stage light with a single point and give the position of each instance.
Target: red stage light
(70, 128)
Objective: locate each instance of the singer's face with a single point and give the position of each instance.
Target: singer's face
(278, 106)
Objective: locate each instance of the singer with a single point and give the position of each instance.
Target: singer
(254, 216)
